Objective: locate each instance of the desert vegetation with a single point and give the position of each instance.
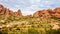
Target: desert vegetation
(29, 25)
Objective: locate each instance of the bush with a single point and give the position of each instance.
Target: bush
(53, 31)
(32, 31)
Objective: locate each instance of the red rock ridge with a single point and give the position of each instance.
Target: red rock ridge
(48, 13)
(8, 12)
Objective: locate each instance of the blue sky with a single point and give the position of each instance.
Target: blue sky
(30, 6)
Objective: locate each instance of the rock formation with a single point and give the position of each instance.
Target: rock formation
(18, 13)
(56, 12)
(2, 9)
(48, 13)
(41, 13)
(36, 14)
(7, 12)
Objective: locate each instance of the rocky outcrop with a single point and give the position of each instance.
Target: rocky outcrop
(36, 14)
(18, 13)
(2, 9)
(7, 12)
(45, 13)
(42, 13)
(48, 13)
(56, 12)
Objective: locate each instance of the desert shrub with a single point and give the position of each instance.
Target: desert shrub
(53, 31)
(3, 32)
(53, 17)
(1, 15)
(32, 31)
(0, 32)
(57, 31)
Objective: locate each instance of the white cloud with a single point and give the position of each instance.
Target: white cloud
(1, 0)
(48, 2)
(16, 6)
(33, 8)
(34, 1)
(41, 5)
(6, 0)
(18, 0)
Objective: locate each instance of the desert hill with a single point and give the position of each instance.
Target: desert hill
(41, 22)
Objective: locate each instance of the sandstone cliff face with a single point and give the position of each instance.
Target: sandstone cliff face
(36, 14)
(2, 9)
(56, 12)
(48, 13)
(6, 12)
(42, 13)
(18, 13)
(45, 13)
